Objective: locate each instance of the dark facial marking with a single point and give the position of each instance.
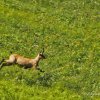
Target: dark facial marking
(42, 55)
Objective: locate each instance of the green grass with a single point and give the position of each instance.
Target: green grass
(69, 32)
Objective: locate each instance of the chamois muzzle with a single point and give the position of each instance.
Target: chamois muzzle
(42, 55)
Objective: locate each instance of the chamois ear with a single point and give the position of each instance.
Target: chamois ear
(42, 51)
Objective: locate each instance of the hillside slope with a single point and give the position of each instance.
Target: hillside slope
(69, 32)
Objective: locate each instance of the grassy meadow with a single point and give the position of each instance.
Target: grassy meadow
(69, 32)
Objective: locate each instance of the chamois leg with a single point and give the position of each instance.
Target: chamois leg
(5, 64)
(2, 61)
(40, 69)
(8, 62)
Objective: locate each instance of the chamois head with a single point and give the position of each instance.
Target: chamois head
(41, 55)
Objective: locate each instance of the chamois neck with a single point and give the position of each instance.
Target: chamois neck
(37, 58)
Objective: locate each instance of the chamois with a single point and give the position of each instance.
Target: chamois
(22, 61)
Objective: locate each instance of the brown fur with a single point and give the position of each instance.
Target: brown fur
(25, 62)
